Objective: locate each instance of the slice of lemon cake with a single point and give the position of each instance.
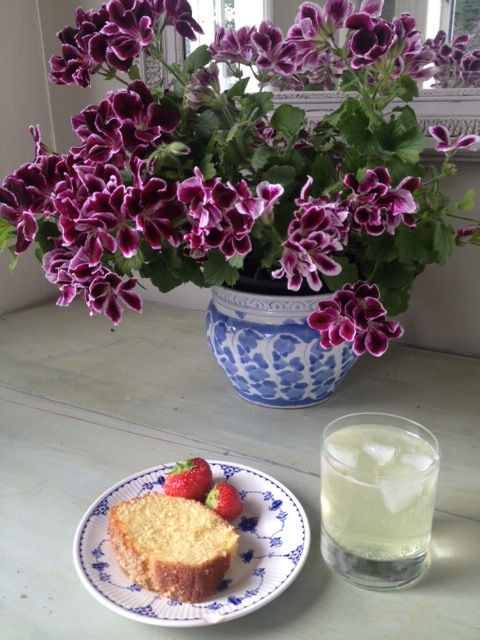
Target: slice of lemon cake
(177, 547)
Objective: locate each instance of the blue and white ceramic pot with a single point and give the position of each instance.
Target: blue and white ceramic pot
(269, 353)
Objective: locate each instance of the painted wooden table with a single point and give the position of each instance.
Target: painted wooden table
(84, 406)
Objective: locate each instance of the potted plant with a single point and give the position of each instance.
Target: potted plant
(183, 181)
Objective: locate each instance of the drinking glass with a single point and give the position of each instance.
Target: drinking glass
(378, 480)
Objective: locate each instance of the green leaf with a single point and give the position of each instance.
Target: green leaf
(161, 274)
(381, 248)
(443, 242)
(407, 117)
(252, 106)
(207, 167)
(415, 244)
(353, 124)
(468, 201)
(191, 271)
(288, 119)
(283, 174)
(228, 166)
(257, 105)
(347, 108)
(322, 172)
(14, 260)
(162, 278)
(236, 130)
(207, 124)
(199, 58)
(218, 271)
(397, 167)
(46, 231)
(402, 136)
(110, 74)
(126, 266)
(355, 130)
(269, 248)
(349, 81)
(348, 274)
(238, 89)
(170, 104)
(170, 268)
(410, 147)
(236, 261)
(395, 301)
(405, 88)
(134, 73)
(7, 232)
(395, 275)
(261, 156)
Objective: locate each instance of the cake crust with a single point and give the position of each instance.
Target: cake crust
(176, 547)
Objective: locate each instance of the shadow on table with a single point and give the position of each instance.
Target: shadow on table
(451, 563)
(283, 612)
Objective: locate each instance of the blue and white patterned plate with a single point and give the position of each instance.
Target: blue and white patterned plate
(274, 543)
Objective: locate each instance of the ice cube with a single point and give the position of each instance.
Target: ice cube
(343, 453)
(381, 453)
(397, 493)
(418, 461)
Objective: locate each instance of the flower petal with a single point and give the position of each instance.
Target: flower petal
(440, 133)
(464, 142)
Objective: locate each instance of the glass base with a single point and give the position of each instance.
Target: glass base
(377, 575)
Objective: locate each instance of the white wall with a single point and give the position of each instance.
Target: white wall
(445, 309)
(27, 40)
(24, 102)
(66, 101)
(445, 306)
(283, 13)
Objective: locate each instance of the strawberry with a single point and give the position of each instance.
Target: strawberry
(191, 479)
(225, 500)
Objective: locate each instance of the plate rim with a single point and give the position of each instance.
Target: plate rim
(201, 621)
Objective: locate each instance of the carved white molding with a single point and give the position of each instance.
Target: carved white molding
(457, 109)
(152, 70)
(460, 108)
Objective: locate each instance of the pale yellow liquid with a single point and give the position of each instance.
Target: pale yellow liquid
(379, 503)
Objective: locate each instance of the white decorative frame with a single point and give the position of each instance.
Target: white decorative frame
(174, 49)
(456, 109)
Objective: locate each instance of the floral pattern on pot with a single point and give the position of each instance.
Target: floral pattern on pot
(269, 353)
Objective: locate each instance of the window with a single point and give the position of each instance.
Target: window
(226, 13)
(466, 19)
